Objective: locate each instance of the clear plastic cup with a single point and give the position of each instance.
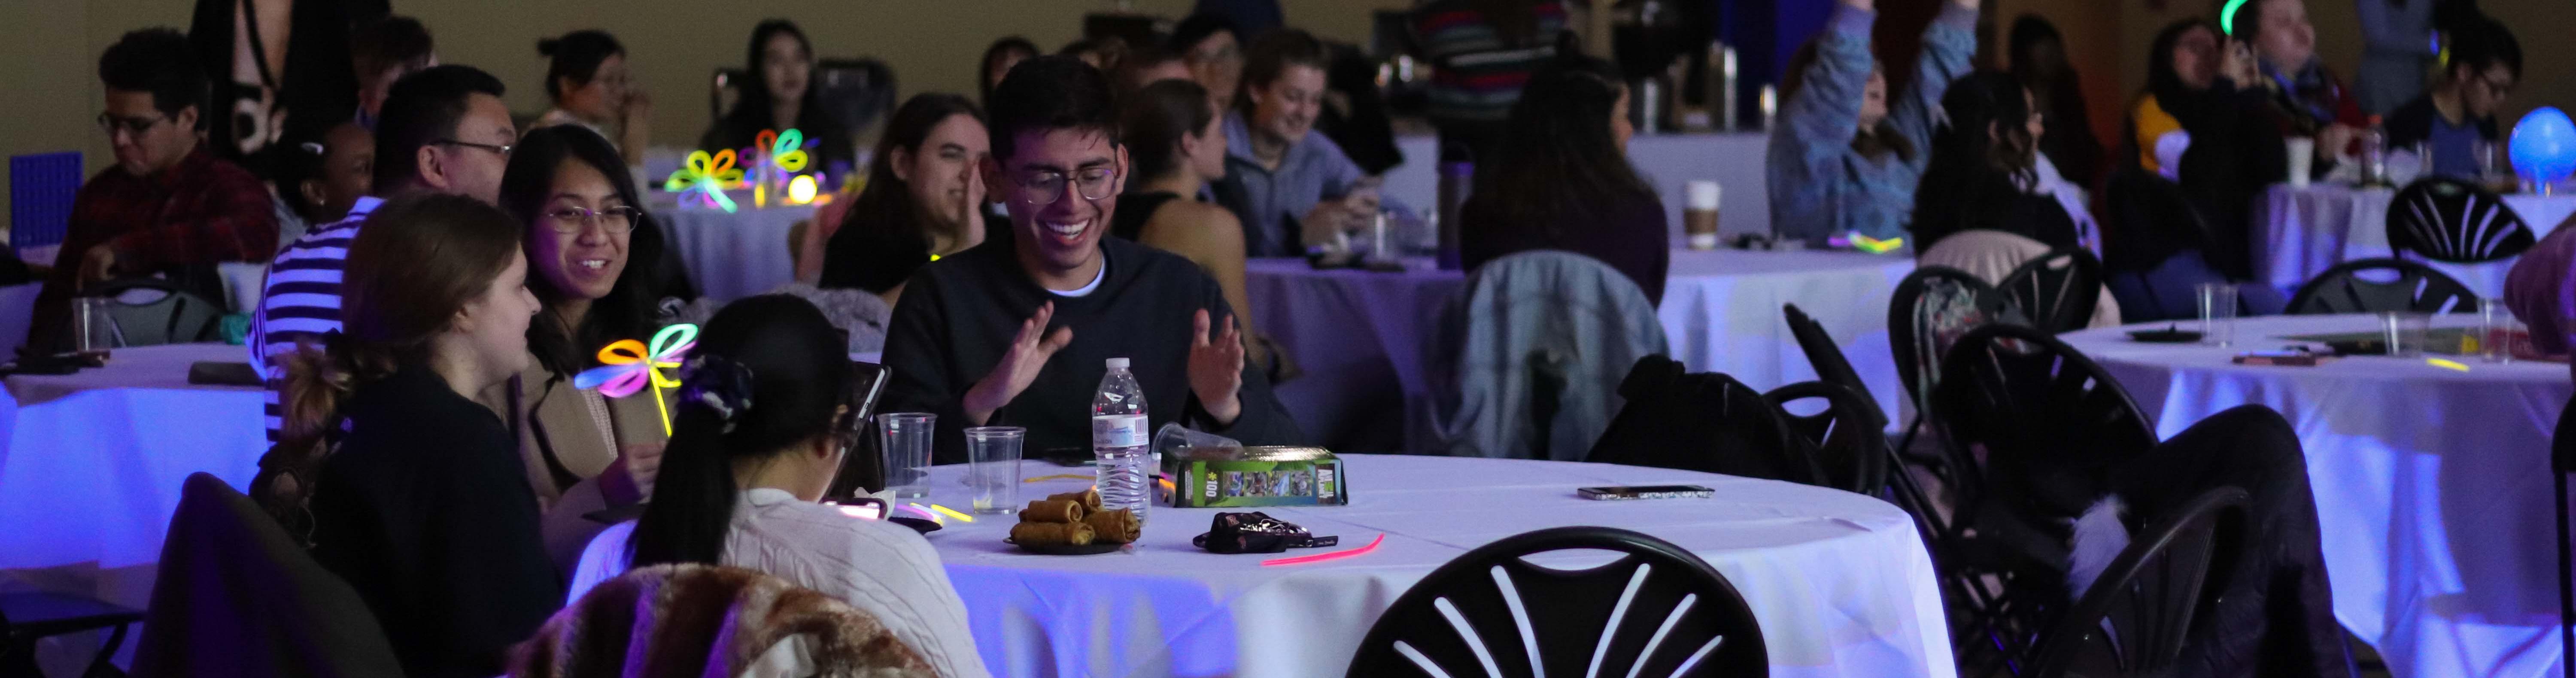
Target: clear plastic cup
(993, 467)
(907, 451)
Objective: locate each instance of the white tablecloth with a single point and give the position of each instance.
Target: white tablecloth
(2432, 485)
(94, 460)
(1357, 334)
(2300, 232)
(1668, 161)
(734, 255)
(1840, 582)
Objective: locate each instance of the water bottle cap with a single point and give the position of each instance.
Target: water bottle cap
(1117, 363)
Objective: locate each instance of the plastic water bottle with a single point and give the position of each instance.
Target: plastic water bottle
(1121, 441)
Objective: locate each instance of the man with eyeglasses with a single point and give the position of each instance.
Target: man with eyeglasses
(169, 207)
(2459, 112)
(443, 130)
(1018, 331)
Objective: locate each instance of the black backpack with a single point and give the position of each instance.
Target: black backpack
(1703, 422)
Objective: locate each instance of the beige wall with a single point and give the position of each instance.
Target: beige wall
(50, 47)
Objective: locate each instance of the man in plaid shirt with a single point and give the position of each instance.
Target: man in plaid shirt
(168, 206)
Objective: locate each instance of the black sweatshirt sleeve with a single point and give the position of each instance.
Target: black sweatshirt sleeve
(488, 557)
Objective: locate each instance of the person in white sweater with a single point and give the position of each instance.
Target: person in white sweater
(764, 417)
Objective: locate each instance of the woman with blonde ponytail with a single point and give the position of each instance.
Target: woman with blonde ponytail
(416, 494)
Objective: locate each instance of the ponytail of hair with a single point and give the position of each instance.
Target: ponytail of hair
(693, 495)
(319, 379)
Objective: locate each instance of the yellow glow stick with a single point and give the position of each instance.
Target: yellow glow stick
(2446, 364)
(1059, 476)
(950, 512)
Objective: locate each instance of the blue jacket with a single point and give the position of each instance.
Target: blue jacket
(1819, 186)
(1527, 360)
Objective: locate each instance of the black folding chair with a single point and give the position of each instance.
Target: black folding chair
(2454, 221)
(2044, 417)
(1845, 439)
(1658, 610)
(1827, 357)
(2133, 621)
(2057, 291)
(1932, 307)
(2411, 287)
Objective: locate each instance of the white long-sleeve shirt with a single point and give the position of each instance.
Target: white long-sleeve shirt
(881, 568)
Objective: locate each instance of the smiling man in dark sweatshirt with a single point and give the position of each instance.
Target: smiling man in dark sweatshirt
(1018, 331)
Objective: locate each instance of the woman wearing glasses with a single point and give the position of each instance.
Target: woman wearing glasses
(583, 452)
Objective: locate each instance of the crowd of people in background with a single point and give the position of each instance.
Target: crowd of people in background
(438, 274)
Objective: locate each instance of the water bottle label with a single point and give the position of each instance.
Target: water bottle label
(1110, 431)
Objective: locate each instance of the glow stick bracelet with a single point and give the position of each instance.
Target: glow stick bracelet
(1321, 557)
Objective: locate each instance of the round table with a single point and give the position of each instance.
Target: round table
(731, 255)
(93, 463)
(2300, 232)
(2432, 485)
(1357, 335)
(1841, 584)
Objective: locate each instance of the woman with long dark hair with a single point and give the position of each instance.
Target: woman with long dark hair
(416, 495)
(586, 78)
(587, 245)
(2040, 62)
(779, 96)
(1982, 174)
(1847, 153)
(1566, 184)
(2199, 131)
(765, 416)
(924, 198)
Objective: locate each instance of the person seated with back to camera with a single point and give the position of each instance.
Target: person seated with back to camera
(1018, 331)
(1568, 184)
(764, 419)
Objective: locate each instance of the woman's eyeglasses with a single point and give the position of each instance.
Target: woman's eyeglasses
(614, 220)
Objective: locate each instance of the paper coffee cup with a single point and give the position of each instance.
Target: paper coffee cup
(2303, 157)
(1704, 195)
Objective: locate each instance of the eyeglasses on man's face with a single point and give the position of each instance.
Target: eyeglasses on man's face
(135, 126)
(1044, 187)
(614, 220)
(502, 149)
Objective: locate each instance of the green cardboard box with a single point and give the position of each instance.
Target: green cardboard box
(1259, 476)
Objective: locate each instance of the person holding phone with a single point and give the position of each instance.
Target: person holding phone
(767, 409)
(1290, 186)
(2199, 124)
(2307, 99)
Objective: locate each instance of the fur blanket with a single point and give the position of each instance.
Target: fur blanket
(700, 620)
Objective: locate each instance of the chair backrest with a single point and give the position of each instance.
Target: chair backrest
(705, 620)
(2136, 617)
(237, 596)
(1656, 611)
(2057, 291)
(1826, 357)
(152, 312)
(2047, 419)
(2447, 219)
(1703, 422)
(2413, 287)
(1525, 362)
(1846, 439)
(1932, 308)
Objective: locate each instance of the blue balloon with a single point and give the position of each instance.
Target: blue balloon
(2544, 145)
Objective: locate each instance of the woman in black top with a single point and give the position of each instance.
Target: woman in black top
(1566, 184)
(924, 199)
(422, 504)
(1176, 144)
(778, 96)
(1981, 172)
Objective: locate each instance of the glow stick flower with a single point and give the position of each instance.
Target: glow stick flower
(628, 366)
(704, 176)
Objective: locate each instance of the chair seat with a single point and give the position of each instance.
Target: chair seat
(37, 615)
